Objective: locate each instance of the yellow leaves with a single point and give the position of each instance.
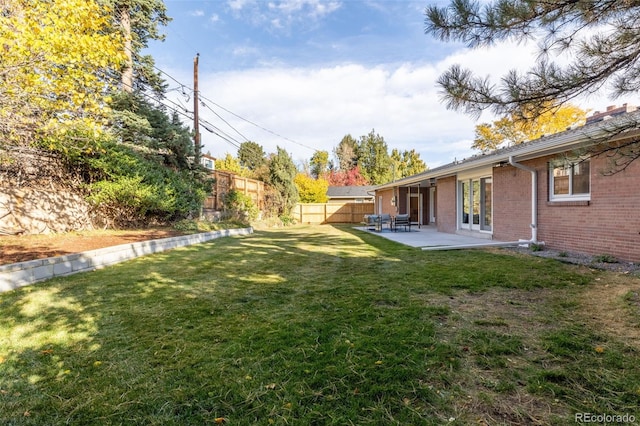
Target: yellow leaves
(219, 420)
(311, 190)
(56, 57)
(599, 349)
(513, 130)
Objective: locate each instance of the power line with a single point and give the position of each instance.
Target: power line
(183, 86)
(225, 121)
(258, 126)
(186, 113)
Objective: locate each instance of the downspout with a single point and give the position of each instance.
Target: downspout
(534, 199)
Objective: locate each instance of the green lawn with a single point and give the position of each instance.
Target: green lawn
(321, 325)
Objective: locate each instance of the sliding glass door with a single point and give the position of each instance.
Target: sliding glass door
(474, 202)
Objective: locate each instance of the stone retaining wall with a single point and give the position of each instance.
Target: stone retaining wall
(39, 194)
(17, 275)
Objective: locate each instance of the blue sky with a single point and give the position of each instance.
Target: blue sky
(301, 74)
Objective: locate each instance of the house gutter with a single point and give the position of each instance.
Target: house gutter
(534, 218)
(534, 199)
(546, 145)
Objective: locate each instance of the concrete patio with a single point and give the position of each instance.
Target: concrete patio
(428, 238)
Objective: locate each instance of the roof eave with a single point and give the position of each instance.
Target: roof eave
(547, 145)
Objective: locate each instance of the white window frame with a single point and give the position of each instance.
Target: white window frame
(570, 196)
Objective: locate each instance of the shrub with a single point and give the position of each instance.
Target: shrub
(240, 206)
(287, 220)
(131, 187)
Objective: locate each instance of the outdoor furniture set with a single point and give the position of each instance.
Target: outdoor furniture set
(375, 222)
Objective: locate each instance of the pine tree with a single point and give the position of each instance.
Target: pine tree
(600, 36)
(138, 22)
(251, 155)
(373, 159)
(282, 172)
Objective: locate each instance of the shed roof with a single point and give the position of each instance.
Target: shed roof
(350, 191)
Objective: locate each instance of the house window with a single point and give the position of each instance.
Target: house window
(569, 180)
(208, 164)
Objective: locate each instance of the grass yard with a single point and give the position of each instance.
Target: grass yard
(321, 325)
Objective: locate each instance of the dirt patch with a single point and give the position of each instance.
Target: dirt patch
(30, 247)
(611, 304)
(613, 307)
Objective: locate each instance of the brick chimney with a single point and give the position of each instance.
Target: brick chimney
(611, 111)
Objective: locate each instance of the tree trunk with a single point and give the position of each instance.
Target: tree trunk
(127, 72)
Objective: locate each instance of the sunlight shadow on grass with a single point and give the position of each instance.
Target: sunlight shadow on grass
(307, 325)
(263, 279)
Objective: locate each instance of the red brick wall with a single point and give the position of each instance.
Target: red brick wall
(512, 203)
(387, 207)
(446, 205)
(608, 224)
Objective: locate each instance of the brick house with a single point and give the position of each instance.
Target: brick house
(560, 190)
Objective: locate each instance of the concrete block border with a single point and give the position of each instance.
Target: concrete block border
(20, 274)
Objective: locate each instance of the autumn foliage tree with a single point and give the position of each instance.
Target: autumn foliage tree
(319, 164)
(513, 130)
(311, 190)
(57, 59)
(351, 177)
(231, 164)
(60, 68)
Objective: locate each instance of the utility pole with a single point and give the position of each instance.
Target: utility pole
(196, 118)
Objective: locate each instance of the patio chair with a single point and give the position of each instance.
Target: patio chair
(370, 221)
(382, 219)
(402, 220)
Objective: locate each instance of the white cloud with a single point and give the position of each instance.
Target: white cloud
(214, 18)
(282, 14)
(316, 107)
(312, 8)
(238, 4)
(197, 13)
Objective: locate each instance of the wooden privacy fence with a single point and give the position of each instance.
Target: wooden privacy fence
(225, 182)
(332, 212)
